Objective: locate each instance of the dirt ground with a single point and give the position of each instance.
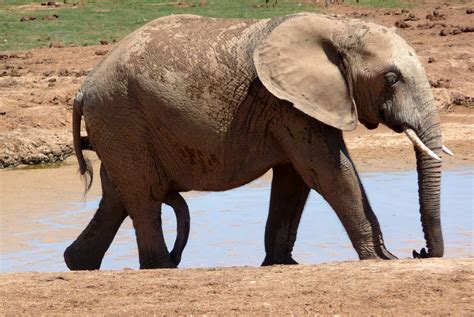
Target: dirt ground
(405, 287)
(36, 91)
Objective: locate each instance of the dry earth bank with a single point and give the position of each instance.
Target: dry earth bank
(404, 287)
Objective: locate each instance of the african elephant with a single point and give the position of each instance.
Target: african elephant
(193, 103)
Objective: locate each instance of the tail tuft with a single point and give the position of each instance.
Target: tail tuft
(87, 173)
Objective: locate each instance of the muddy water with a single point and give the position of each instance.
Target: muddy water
(42, 212)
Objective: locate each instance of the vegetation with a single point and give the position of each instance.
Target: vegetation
(88, 21)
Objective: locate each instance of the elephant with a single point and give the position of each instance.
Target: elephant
(194, 103)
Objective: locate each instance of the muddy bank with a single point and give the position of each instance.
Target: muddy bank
(37, 87)
(404, 287)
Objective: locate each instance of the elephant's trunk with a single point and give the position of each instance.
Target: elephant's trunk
(429, 187)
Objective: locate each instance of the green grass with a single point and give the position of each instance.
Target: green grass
(112, 19)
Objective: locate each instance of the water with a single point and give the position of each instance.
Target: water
(227, 227)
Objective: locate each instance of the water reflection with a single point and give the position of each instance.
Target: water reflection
(227, 227)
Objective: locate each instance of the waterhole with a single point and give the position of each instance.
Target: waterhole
(43, 211)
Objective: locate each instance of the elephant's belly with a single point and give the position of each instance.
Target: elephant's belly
(195, 169)
(218, 181)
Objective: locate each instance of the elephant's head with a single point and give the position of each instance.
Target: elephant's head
(340, 71)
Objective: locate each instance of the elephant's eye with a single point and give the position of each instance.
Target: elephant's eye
(391, 78)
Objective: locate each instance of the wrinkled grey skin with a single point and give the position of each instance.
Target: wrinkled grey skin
(190, 103)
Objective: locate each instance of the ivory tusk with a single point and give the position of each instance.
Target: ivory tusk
(447, 151)
(418, 144)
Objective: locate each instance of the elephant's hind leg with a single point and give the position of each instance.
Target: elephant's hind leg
(87, 251)
(183, 223)
(288, 197)
(152, 249)
(143, 192)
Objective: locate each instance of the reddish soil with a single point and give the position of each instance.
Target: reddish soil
(405, 287)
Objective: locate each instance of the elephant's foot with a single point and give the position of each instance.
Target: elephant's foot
(269, 260)
(422, 255)
(375, 253)
(387, 255)
(77, 259)
(152, 262)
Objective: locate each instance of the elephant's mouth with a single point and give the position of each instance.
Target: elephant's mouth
(397, 128)
(369, 125)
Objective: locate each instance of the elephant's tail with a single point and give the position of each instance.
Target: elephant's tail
(85, 167)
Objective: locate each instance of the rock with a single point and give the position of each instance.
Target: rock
(56, 45)
(4, 56)
(431, 60)
(405, 11)
(27, 18)
(456, 32)
(63, 72)
(467, 29)
(50, 17)
(402, 24)
(104, 42)
(460, 99)
(81, 73)
(15, 73)
(101, 52)
(423, 26)
(436, 16)
(52, 80)
(444, 32)
(48, 73)
(56, 100)
(441, 83)
(411, 17)
(27, 55)
(470, 11)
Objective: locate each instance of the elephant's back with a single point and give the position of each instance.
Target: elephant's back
(193, 71)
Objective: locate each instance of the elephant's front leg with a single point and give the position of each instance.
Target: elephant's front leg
(338, 182)
(287, 200)
(87, 251)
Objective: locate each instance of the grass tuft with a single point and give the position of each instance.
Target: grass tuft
(90, 21)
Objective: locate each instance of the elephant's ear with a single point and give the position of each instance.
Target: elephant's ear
(299, 62)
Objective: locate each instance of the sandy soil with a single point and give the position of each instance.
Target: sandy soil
(36, 90)
(405, 287)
